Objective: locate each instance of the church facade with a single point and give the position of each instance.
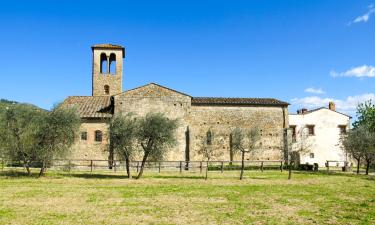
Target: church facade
(196, 115)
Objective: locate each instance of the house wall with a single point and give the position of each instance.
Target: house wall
(325, 143)
(90, 149)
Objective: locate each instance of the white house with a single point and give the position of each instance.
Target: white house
(320, 129)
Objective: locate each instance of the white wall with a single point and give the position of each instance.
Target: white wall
(325, 143)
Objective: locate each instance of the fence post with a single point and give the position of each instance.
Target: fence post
(159, 167)
(222, 166)
(261, 166)
(2, 164)
(115, 165)
(200, 167)
(137, 166)
(180, 166)
(281, 166)
(91, 165)
(327, 165)
(69, 166)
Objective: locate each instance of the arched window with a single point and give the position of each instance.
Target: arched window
(112, 64)
(106, 89)
(103, 63)
(98, 136)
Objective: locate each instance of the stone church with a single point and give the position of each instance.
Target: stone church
(196, 115)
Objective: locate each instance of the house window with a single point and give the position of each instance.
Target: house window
(294, 132)
(98, 136)
(342, 129)
(311, 129)
(312, 155)
(106, 89)
(84, 136)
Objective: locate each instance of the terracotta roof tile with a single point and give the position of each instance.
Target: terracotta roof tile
(237, 101)
(91, 106)
(107, 46)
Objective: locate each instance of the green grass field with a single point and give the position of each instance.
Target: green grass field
(171, 198)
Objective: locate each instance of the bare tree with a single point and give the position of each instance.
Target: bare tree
(208, 150)
(155, 133)
(245, 141)
(299, 147)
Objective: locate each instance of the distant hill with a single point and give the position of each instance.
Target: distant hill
(6, 102)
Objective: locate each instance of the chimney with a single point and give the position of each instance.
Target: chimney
(332, 106)
(302, 111)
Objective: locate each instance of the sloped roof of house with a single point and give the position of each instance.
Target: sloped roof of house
(237, 101)
(90, 106)
(320, 108)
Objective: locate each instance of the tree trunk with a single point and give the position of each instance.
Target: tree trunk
(143, 164)
(28, 169)
(358, 162)
(290, 172)
(231, 153)
(128, 167)
(42, 170)
(206, 171)
(242, 164)
(368, 162)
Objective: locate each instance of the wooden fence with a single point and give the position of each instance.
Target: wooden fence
(158, 166)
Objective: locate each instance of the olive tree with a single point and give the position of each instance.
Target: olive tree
(245, 141)
(56, 135)
(156, 134)
(19, 127)
(122, 138)
(207, 149)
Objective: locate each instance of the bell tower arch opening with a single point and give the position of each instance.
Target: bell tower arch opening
(107, 66)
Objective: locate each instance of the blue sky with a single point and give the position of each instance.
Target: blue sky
(303, 52)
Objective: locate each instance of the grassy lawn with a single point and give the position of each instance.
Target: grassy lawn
(171, 198)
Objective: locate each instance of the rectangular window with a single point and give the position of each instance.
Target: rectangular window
(84, 136)
(342, 129)
(98, 136)
(312, 155)
(311, 129)
(294, 132)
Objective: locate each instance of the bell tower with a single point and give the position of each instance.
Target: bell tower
(107, 64)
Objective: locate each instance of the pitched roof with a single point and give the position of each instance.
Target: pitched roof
(237, 101)
(91, 106)
(155, 85)
(317, 109)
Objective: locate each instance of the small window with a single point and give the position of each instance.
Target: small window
(342, 129)
(312, 155)
(311, 129)
(98, 136)
(84, 136)
(106, 89)
(209, 137)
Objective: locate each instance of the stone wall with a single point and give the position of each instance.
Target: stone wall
(222, 120)
(90, 149)
(99, 80)
(154, 98)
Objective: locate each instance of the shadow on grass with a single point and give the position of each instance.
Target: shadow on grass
(95, 176)
(16, 174)
(176, 177)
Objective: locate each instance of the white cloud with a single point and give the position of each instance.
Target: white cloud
(365, 17)
(360, 71)
(313, 90)
(347, 105)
